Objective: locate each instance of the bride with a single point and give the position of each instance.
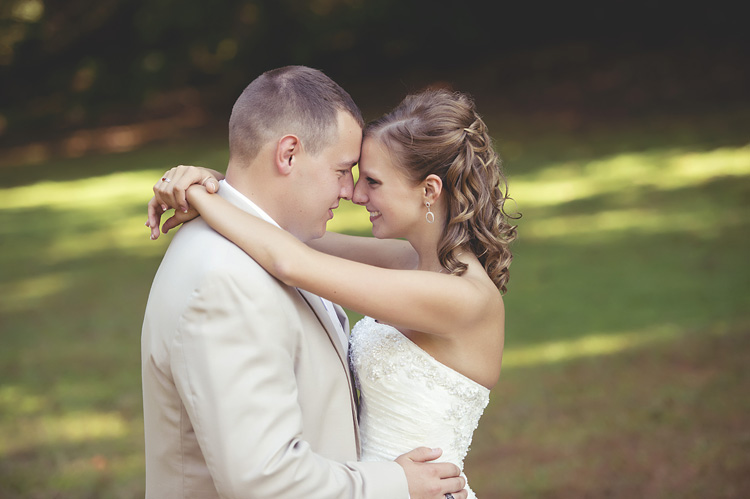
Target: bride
(430, 346)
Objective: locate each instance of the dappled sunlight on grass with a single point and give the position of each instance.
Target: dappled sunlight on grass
(126, 234)
(13, 400)
(81, 426)
(641, 220)
(661, 170)
(587, 346)
(99, 214)
(109, 192)
(28, 292)
(657, 192)
(34, 425)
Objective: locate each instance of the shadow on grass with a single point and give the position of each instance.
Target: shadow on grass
(70, 396)
(99, 467)
(667, 420)
(628, 284)
(210, 152)
(74, 278)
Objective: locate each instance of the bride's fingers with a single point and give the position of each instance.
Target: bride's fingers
(178, 218)
(169, 188)
(170, 191)
(170, 224)
(183, 177)
(210, 184)
(162, 192)
(154, 217)
(178, 187)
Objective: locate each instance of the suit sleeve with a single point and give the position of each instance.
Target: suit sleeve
(233, 365)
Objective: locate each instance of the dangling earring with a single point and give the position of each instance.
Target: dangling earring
(429, 216)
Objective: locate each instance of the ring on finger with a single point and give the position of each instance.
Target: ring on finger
(165, 179)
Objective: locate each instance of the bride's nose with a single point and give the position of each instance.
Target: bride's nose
(359, 196)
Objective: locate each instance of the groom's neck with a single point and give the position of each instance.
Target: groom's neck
(264, 193)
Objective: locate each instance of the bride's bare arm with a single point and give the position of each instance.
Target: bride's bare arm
(386, 253)
(433, 303)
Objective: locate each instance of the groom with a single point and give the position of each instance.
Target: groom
(246, 386)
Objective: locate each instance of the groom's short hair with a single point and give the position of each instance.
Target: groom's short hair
(289, 100)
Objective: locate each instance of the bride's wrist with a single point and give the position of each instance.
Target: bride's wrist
(194, 193)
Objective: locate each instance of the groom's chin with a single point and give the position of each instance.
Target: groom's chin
(318, 233)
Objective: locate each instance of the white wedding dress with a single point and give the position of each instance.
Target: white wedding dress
(409, 399)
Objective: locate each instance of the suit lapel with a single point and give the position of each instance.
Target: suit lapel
(320, 311)
(322, 314)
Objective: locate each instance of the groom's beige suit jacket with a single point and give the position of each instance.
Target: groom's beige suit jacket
(247, 390)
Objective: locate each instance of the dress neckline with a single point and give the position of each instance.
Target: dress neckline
(425, 353)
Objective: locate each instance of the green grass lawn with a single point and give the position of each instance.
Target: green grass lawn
(625, 370)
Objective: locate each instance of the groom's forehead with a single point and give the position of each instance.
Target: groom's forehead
(347, 143)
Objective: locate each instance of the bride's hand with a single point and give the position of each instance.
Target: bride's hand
(178, 218)
(169, 192)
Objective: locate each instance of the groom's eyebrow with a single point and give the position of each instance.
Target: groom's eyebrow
(349, 163)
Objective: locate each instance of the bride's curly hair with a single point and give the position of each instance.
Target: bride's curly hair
(439, 132)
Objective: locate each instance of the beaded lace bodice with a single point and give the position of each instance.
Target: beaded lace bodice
(409, 399)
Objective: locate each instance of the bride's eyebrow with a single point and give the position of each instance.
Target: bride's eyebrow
(367, 172)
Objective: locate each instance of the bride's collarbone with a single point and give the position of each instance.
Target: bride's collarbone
(433, 344)
(472, 355)
(444, 350)
(420, 338)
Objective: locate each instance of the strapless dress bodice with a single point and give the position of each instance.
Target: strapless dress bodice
(409, 399)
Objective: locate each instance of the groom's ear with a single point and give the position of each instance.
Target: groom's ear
(287, 148)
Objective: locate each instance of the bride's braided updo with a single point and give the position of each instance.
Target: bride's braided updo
(439, 132)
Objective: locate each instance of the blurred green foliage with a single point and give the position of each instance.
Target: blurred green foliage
(78, 63)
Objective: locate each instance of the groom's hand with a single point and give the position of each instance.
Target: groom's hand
(431, 480)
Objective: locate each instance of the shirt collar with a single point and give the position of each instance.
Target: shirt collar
(238, 195)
